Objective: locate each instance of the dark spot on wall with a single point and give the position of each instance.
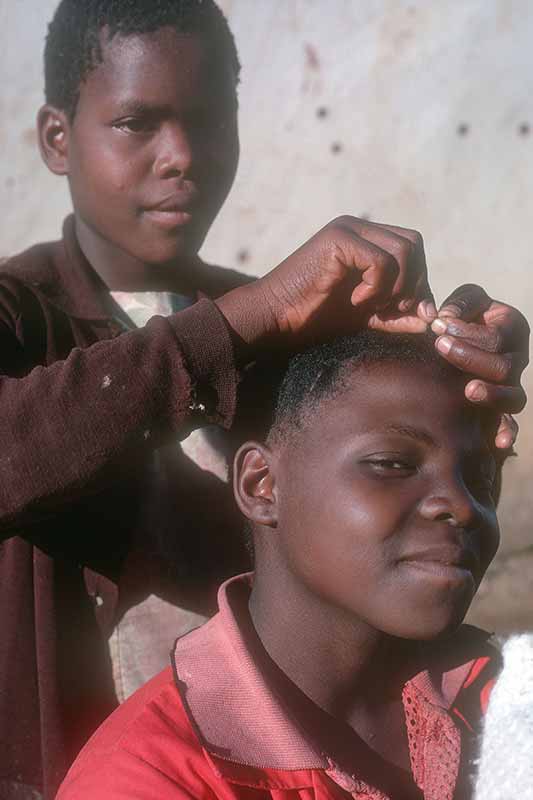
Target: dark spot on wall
(365, 216)
(463, 129)
(524, 129)
(243, 255)
(312, 58)
(9, 182)
(336, 148)
(322, 112)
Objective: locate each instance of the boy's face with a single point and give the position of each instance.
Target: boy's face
(153, 147)
(384, 505)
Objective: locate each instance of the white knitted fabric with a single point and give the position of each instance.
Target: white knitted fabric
(506, 761)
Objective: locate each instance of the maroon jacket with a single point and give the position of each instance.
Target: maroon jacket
(84, 404)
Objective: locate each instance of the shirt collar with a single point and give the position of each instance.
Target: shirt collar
(238, 715)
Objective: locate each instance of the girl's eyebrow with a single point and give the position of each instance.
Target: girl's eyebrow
(419, 434)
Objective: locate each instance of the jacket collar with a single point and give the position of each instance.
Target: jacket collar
(245, 729)
(80, 291)
(60, 272)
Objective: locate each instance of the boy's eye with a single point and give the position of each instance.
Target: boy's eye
(134, 125)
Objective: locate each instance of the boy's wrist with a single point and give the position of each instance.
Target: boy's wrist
(249, 313)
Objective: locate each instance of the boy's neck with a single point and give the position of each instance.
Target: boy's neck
(122, 272)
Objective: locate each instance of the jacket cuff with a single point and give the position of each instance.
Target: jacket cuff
(205, 341)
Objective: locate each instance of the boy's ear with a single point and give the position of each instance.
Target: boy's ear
(254, 484)
(53, 130)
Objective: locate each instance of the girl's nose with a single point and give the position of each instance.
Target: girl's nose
(454, 505)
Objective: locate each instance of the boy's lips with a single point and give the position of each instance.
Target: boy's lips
(173, 211)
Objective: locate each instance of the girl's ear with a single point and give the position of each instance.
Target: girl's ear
(254, 484)
(53, 129)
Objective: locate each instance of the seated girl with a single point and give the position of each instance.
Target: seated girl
(341, 666)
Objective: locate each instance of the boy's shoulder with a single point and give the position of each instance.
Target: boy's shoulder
(147, 745)
(55, 274)
(32, 268)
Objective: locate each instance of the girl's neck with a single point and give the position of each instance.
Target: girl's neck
(346, 667)
(353, 674)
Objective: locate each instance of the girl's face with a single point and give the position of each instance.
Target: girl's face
(384, 503)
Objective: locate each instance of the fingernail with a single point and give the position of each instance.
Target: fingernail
(444, 345)
(450, 311)
(476, 392)
(439, 327)
(431, 310)
(405, 305)
(504, 441)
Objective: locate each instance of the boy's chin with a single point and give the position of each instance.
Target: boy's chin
(160, 247)
(167, 253)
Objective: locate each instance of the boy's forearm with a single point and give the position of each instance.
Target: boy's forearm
(250, 321)
(62, 425)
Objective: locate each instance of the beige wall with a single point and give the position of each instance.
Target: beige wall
(417, 113)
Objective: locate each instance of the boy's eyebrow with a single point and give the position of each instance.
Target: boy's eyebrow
(418, 434)
(140, 107)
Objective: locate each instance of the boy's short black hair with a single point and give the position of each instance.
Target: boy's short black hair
(73, 45)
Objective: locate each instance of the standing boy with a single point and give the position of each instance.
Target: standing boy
(99, 507)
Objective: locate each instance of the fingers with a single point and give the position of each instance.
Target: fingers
(402, 323)
(405, 247)
(508, 399)
(491, 338)
(467, 302)
(376, 269)
(376, 285)
(501, 368)
(412, 284)
(502, 329)
(507, 432)
(426, 308)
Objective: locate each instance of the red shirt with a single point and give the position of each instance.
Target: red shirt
(216, 725)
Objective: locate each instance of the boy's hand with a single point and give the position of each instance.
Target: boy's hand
(351, 274)
(490, 340)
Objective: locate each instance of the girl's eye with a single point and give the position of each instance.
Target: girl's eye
(391, 467)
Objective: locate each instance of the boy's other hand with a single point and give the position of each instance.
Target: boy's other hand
(489, 340)
(351, 274)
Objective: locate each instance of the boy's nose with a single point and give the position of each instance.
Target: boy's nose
(175, 156)
(453, 504)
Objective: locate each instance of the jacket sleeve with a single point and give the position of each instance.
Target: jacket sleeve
(64, 426)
